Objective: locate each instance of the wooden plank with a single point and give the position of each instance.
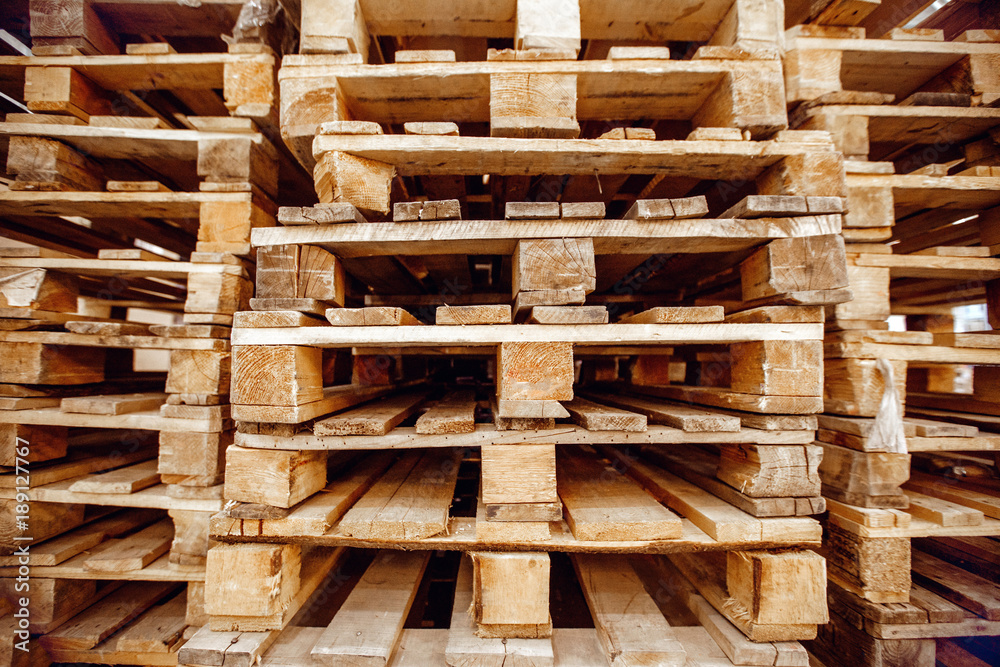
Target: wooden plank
(368, 625)
(334, 398)
(135, 551)
(723, 398)
(156, 631)
(411, 500)
(630, 626)
(678, 416)
(455, 413)
(500, 237)
(113, 404)
(942, 512)
(464, 315)
(568, 315)
(596, 417)
(978, 595)
(106, 617)
(368, 317)
(376, 418)
(677, 315)
(603, 504)
(945, 490)
(124, 480)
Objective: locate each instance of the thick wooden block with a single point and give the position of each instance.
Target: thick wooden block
(255, 580)
(333, 26)
(808, 174)
(519, 474)
(45, 164)
(771, 471)
(654, 369)
(554, 264)
(199, 372)
(39, 443)
(372, 370)
(300, 272)
(224, 226)
(280, 375)
(854, 474)
(345, 178)
(535, 371)
(529, 106)
(795, 265)
(869, 207)
(35, 363)
(870, 287)
(237, 159)
(786, 588)
(854, 387)
(39, 289)
(748, 101)
(220, 293)
(190, 544)
(778, 368)
(51, 600)
(193, 454)
(280, 478)
(876, 568)
(511, 594)
(72, 23)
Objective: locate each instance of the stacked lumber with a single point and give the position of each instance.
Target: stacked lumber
(131, 189)
(552, 300)
(909, 451)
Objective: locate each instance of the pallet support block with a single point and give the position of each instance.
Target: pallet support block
(535, 372)
(199, 457)
(70, 23)
(511, 594)
(277, 375)
(752, 25)
(217, 293)
(866, 479)
(554, 265)
(531, 106)
(204, 372)
(854, 387)
(250, 581)
(748, 101)
(784, 266)
(655, 369)
(48, 165)
(224, 226)
(238, 160)
(334, 26)
(300, 272)
(31, 443)
(37, 363)
(811, 73)
(787, 588)
(817, 174)
(875, 568)
(778, 368)
(771, 471)
(344, 178)
(279, 478)
(519, 482)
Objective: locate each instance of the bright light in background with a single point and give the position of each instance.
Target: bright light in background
(971, 318)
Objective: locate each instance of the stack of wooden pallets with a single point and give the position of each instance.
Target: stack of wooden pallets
(469, 344)
(914, 110)
(573, 350)
(134, 176)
